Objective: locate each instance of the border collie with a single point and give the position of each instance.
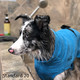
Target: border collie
(53, 52)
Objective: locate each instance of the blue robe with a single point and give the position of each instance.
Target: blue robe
(67, 48)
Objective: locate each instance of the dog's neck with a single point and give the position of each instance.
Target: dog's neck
(47, 52)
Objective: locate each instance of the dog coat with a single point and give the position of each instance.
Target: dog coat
(67, 48)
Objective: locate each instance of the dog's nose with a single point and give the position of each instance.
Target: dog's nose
(11, 50)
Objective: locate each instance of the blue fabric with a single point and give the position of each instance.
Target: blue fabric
(67, 48)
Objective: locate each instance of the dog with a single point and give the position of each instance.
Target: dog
(53, 52)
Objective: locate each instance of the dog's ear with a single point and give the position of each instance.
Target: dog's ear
(42, 21)
(24, 17)
(38, 21)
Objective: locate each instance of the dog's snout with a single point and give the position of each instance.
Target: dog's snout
(11, 50)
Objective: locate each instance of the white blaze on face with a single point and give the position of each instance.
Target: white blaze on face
(19, 46)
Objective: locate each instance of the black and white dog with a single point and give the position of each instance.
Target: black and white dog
(49, 48)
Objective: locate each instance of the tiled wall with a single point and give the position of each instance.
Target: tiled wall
(60, 11)
(14, 9)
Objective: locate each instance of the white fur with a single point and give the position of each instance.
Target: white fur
(60, 76)
(18, 45)
(28, 28)
(25, 24)
(33, 41)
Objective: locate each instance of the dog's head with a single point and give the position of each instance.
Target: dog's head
(31, 35)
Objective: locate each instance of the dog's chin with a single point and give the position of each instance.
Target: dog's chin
(31, 53)
(19, 53)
